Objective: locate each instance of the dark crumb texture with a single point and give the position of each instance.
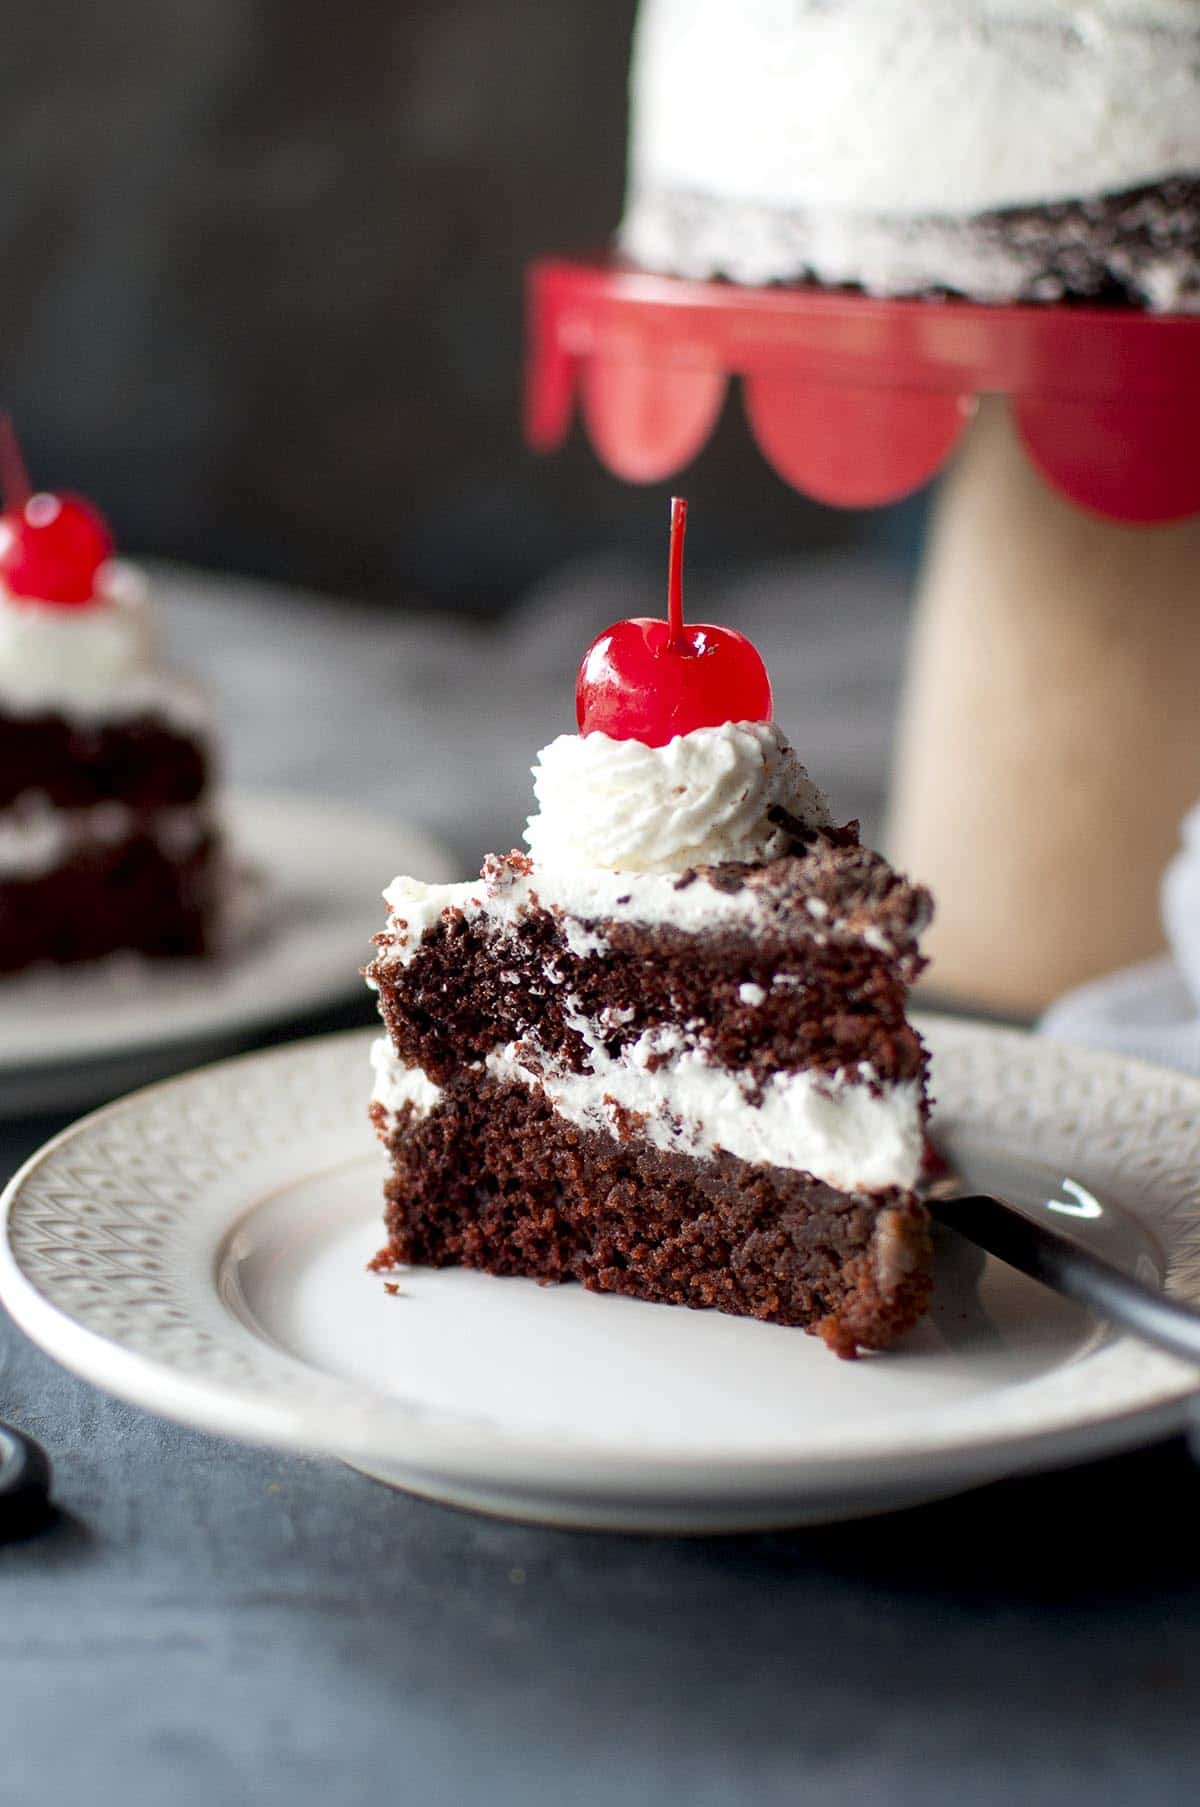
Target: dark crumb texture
(1111, 250)
(106, 899)
(144, 762)
(779, 999)
(138, 891)
(493, 1179)
(1106, 250)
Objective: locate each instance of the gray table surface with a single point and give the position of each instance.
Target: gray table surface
(204, 1623)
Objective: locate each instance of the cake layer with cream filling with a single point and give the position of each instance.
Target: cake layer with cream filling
(491, 1175)
(36, 835)
(108, 840)
(94, 883)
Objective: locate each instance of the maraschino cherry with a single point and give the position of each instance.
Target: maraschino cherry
(649, 680)
(51, 547)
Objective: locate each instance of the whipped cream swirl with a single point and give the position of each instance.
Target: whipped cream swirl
(90, 662)
(56, 655)
(703, 799)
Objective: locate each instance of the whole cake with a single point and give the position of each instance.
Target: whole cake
(665, 1052)
(107, 835)
(1035, 150)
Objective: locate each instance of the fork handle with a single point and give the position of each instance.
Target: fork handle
(1056, 1261)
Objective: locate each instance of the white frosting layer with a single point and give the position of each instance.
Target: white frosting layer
(906, 107)
(35, 836)
(704, 798)
(396, 1084)
(841, 1129)
(838, 1129)
(583, 897)
(92, 663)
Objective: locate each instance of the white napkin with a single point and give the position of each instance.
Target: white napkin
(1181, 903)
(1151, 1010)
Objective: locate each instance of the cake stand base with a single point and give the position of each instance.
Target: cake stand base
(1050, 733)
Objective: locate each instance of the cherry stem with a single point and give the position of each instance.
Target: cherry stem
(675, 641)
(14, 477)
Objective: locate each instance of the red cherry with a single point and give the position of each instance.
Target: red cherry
(53, 548)
(649, 680)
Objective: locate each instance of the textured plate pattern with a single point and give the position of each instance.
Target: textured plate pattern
(115, 1232)
(118, 1222)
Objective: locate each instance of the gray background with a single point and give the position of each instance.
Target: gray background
(260, 287)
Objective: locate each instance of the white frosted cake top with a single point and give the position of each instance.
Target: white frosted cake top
(557, 878)
(913, 106)
(620, 822)
(92, 662)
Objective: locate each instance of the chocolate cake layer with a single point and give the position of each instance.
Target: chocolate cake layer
(133, 894)
(142, 762)
(494, 1179)
(1116, 250)
(757, 1004)
(840, 886)
(1137, 248)
(795, 992)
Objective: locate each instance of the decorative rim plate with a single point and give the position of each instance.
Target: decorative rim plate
(306, 903)
(200, 1249)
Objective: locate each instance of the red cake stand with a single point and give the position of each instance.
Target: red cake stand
(1050, 737)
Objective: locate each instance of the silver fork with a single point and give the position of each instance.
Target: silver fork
(1047, 1255)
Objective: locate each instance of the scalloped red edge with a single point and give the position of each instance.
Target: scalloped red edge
(857, 401)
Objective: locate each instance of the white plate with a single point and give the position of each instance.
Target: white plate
(309, 902)
(201, 1250)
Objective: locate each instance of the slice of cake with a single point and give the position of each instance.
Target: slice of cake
(107, 835)
(665, 1052)
(1002, 150)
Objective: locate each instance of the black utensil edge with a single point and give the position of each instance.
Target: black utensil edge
(1046, 1255)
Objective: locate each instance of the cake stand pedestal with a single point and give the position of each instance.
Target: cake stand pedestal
(1050, 731)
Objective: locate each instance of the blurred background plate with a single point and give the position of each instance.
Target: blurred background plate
(307, 903)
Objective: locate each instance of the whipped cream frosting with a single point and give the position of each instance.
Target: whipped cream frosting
(841, 1128)
(845, 1128)
(396, 1084)
(702, 799)
(93, 662)
(582, 895)
(910, 107)
(619, 825)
